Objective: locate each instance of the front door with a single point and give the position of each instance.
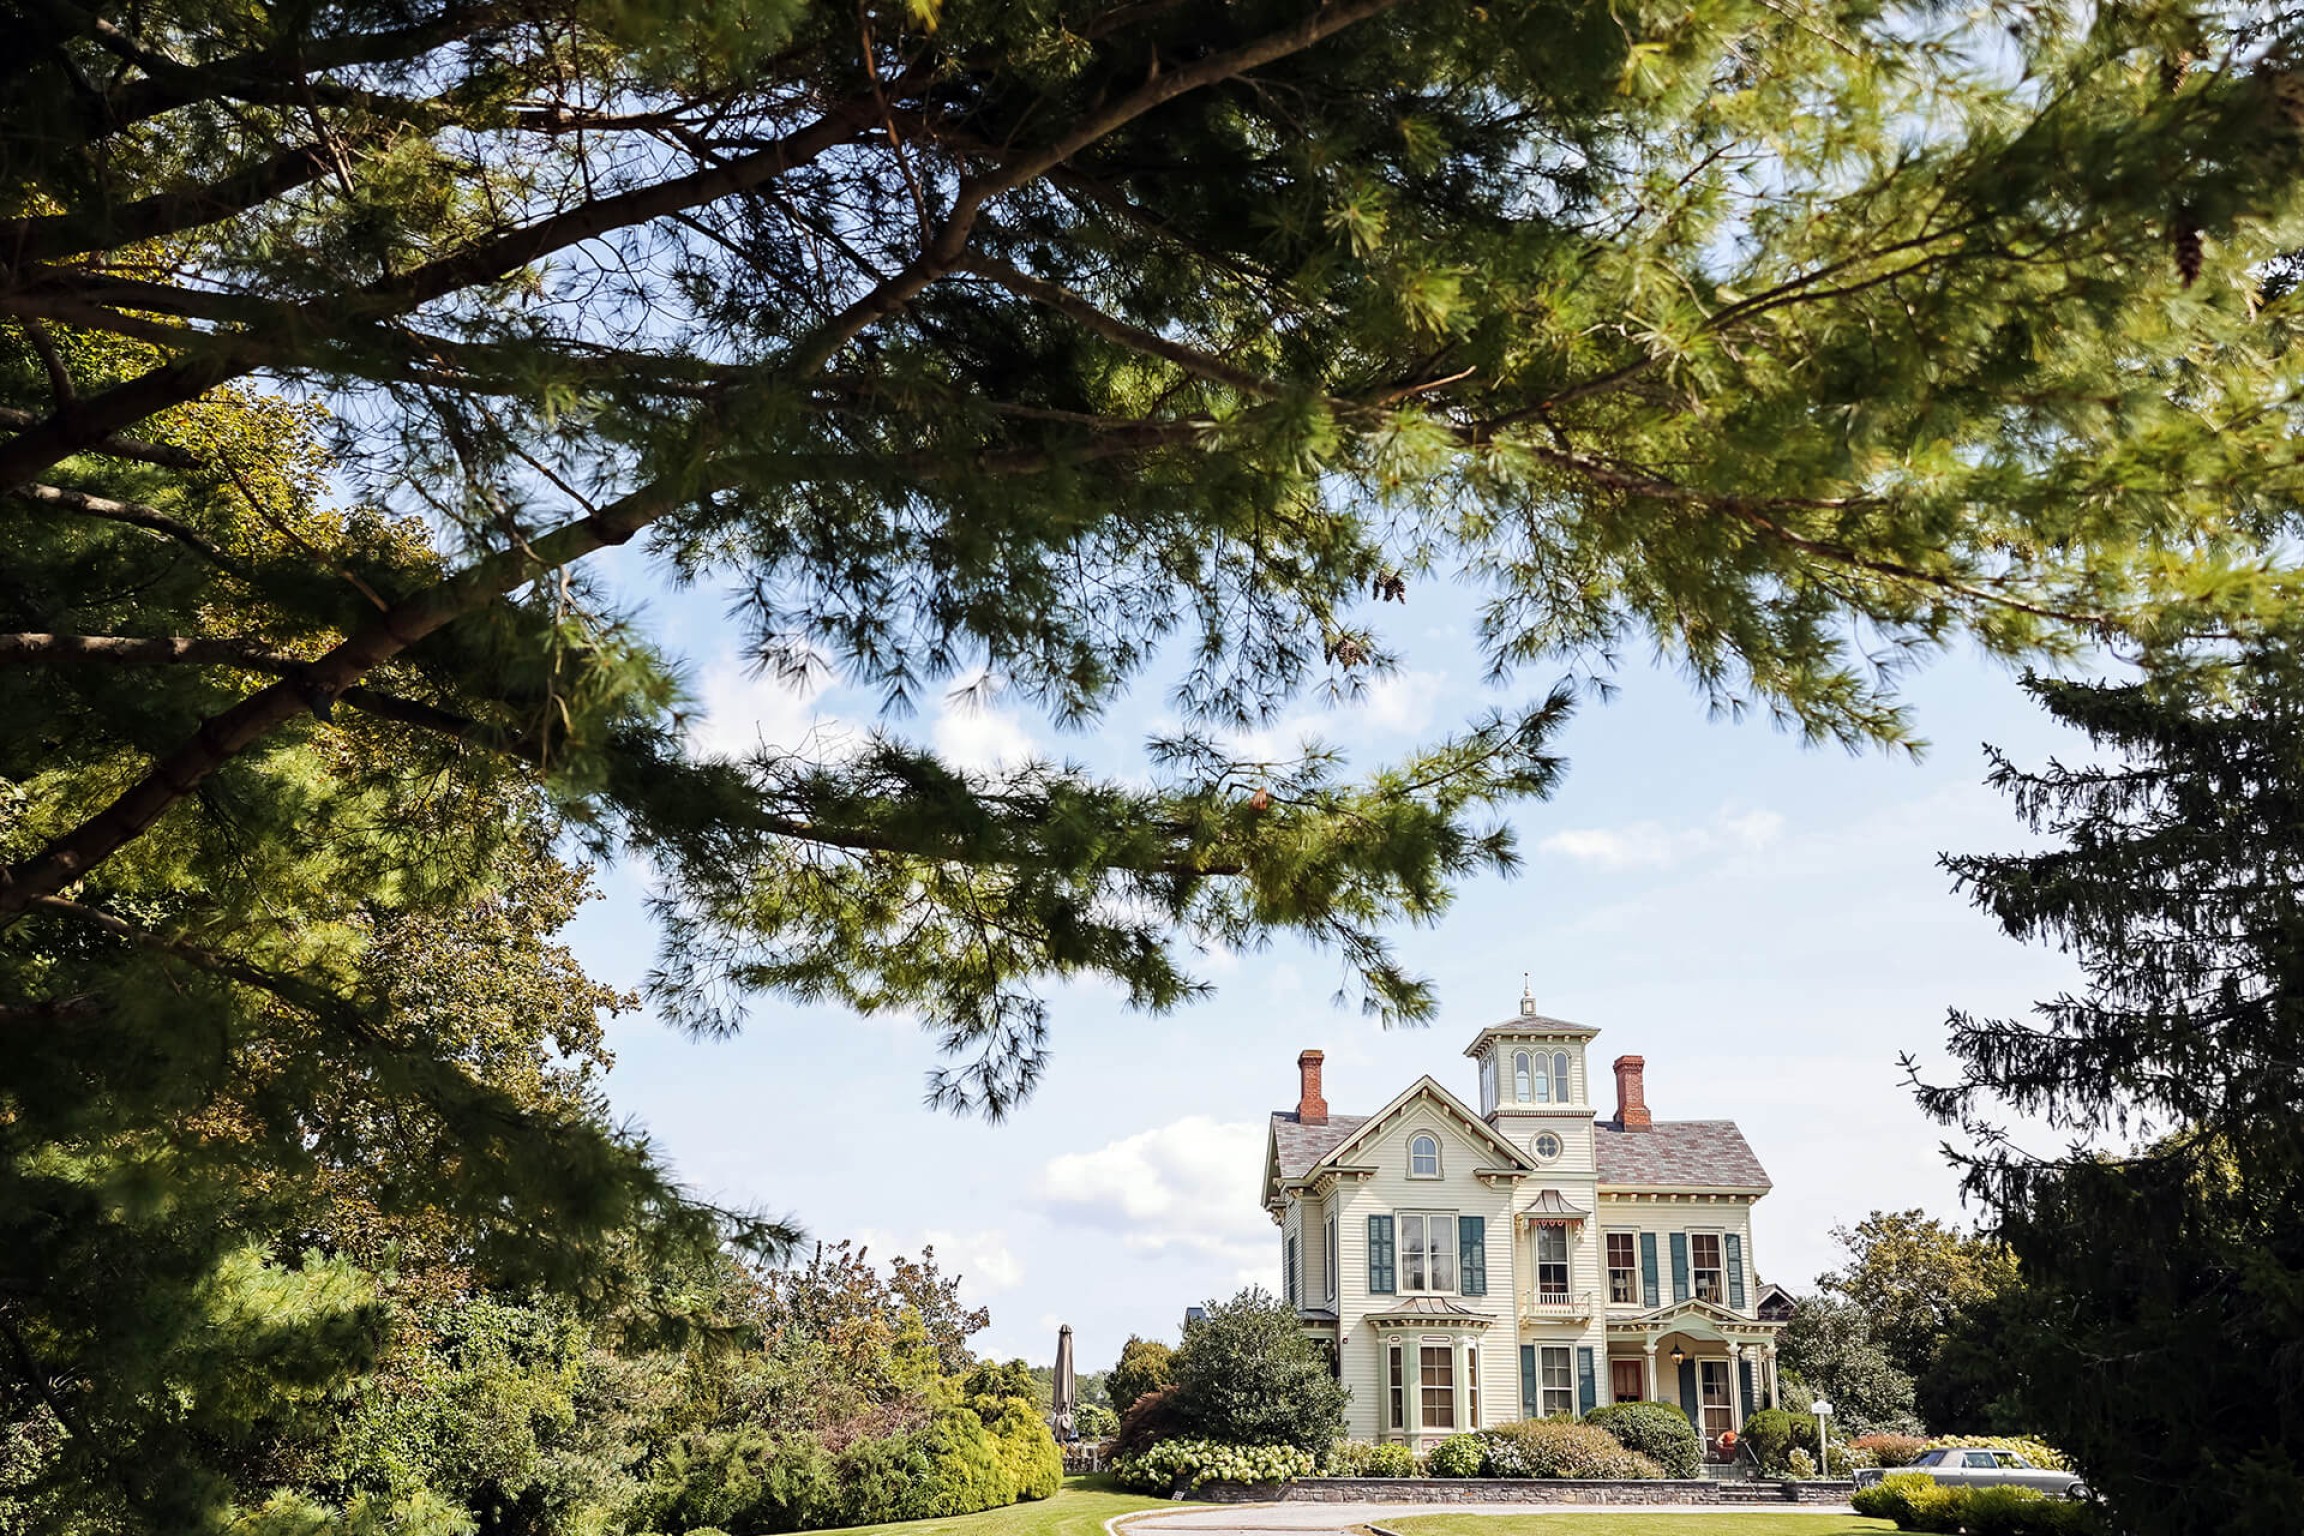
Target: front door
(1719, 1417)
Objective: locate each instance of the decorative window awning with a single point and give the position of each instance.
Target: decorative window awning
(1551, 1209)
(1429, 1312)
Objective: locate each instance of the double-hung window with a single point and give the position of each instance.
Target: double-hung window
(1704, 1259)
(1623, 1270)
(1551, 1263)
(1331, 1253)
(1471, 1386)
(1427, 1251)
(1555, 1382)
(1397, 1386)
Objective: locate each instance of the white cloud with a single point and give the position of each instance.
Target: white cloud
(741, 710)
(1400, 705)
(969, 733)
(982, 1258)
(1651, 844)
(1189, 1186)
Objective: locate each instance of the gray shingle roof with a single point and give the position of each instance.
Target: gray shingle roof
(1702, 1153)
(1301, 1145)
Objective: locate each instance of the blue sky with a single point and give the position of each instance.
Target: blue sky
(1763, 921)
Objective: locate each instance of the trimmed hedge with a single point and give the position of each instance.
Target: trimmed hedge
(1457, 1456)
(1560, 1448)
(1655, 1430)
(1917, 1502)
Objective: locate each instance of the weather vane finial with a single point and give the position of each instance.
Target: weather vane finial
(1527, 997)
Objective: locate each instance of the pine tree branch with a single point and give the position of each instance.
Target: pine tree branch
(135, 514)
(166, 455)
(89, 422)
(52, 237)
(222, 737)
(139, 650)
(944, 250)
(1072, 305)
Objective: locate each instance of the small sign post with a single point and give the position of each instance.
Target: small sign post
(1823, 1412)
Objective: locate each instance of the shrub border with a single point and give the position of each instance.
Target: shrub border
(1510, 1490)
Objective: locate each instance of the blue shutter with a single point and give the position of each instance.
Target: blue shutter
(1472, 1254)
(1744, 1384)
(1527, 1381)
(1648, 1293)
(1735, 1242)
(1679, 1266)
(1379, 1255)
(1587, 1380)
(1688, 1395)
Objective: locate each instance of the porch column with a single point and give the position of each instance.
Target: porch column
(1735, 1386)
(1768, 1364)
(1650, 1374)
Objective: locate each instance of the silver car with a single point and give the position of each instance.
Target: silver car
(1972, 1469)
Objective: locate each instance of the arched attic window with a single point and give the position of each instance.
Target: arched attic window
(1543, 1085)
(1520, 1075)
(1559, 1077)
(1423, 1156)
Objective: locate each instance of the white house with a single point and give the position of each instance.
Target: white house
(1529, 1258)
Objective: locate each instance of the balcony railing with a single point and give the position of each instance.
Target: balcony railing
(1563, 1306)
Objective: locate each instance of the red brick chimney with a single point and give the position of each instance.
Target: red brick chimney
(1311, 1109)
(1631, 1093)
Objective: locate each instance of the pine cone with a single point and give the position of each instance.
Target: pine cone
(2190, 251)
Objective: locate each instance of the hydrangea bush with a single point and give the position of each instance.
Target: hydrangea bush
(1357, 1458)
(1176, 1464)
(1457, 1456)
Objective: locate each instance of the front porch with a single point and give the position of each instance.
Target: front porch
(1712, 1364)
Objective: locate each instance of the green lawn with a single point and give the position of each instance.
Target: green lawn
(1079, 1508)
(1653, 1521)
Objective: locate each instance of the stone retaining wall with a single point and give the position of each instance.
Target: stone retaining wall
(1508, 1490)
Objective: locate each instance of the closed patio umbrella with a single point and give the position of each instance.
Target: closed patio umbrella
(1066, 1391)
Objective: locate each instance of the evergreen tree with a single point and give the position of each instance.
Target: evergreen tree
(2162, 1254)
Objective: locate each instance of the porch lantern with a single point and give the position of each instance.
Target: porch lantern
(1678, 1354)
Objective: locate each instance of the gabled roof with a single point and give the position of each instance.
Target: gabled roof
(1296, 1151)
(1677, 1154)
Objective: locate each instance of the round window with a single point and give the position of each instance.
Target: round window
(1546, 1146)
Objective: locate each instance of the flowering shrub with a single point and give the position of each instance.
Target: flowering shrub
(2038, 1452)
(1799, 1463)
(1357, 1458)
(1890, 1450)
(1189, 1463)
(1560, 1448)
(1457, 1456)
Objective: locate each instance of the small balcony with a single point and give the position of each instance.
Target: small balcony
(1557, 1306)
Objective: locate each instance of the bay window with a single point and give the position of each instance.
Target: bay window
(1436, 1385)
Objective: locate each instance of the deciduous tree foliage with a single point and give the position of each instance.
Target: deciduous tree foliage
(2152, 1335)
(1911, 1274)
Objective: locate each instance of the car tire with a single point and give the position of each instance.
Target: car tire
(2076, 1490)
